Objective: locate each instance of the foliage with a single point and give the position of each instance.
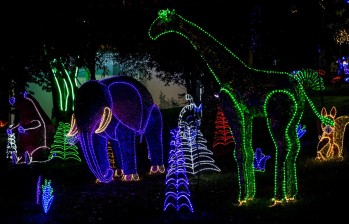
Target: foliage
(40, 65)
(167, 103)
(140, 66)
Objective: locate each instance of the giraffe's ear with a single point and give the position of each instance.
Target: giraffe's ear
(324, 111)
(333, 112)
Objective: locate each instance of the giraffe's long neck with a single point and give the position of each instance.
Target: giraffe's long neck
(246, 84)
(221, 62)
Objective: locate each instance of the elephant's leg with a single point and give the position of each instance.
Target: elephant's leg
(127, 143)
(114, 144)
(153, 135)
(282, 118)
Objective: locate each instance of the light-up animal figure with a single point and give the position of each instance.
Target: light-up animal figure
(330, 144)
(246, 93)
(34, 130)
(117, 110)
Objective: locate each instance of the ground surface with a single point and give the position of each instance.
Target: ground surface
(323, 189)
(323, 193)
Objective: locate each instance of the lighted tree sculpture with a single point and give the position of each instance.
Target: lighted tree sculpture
(198, 157)
(177, 193)
(247, 93)
(65, 85)
(330, 146)
(63, 147)
(222, 135)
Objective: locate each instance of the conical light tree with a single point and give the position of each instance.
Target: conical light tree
(223, 136)
(177, 194)
(197, 156)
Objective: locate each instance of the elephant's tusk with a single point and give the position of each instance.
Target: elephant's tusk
(106, 118)
(73, 128)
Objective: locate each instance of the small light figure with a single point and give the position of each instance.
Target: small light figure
(38, 190)
(47, 196)
(301, 130)
(12, 101)
(260, 160)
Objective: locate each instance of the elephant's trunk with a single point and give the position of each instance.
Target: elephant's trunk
(94, 148)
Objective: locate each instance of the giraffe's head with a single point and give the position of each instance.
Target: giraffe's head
(162, 24)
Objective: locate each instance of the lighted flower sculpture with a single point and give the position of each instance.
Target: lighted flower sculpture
(117, 109)
(279, 97)
(330, 146)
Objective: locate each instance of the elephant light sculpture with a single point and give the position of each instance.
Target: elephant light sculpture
(117, 109)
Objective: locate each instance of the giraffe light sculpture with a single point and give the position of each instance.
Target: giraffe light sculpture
(279, 97)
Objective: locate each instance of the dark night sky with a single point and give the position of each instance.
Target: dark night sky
(28, 24)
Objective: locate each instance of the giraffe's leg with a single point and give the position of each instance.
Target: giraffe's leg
(243, 156)
(282, 117)
(249, 159)
(291, 179)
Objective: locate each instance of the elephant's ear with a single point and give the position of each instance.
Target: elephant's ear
(127, 104)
